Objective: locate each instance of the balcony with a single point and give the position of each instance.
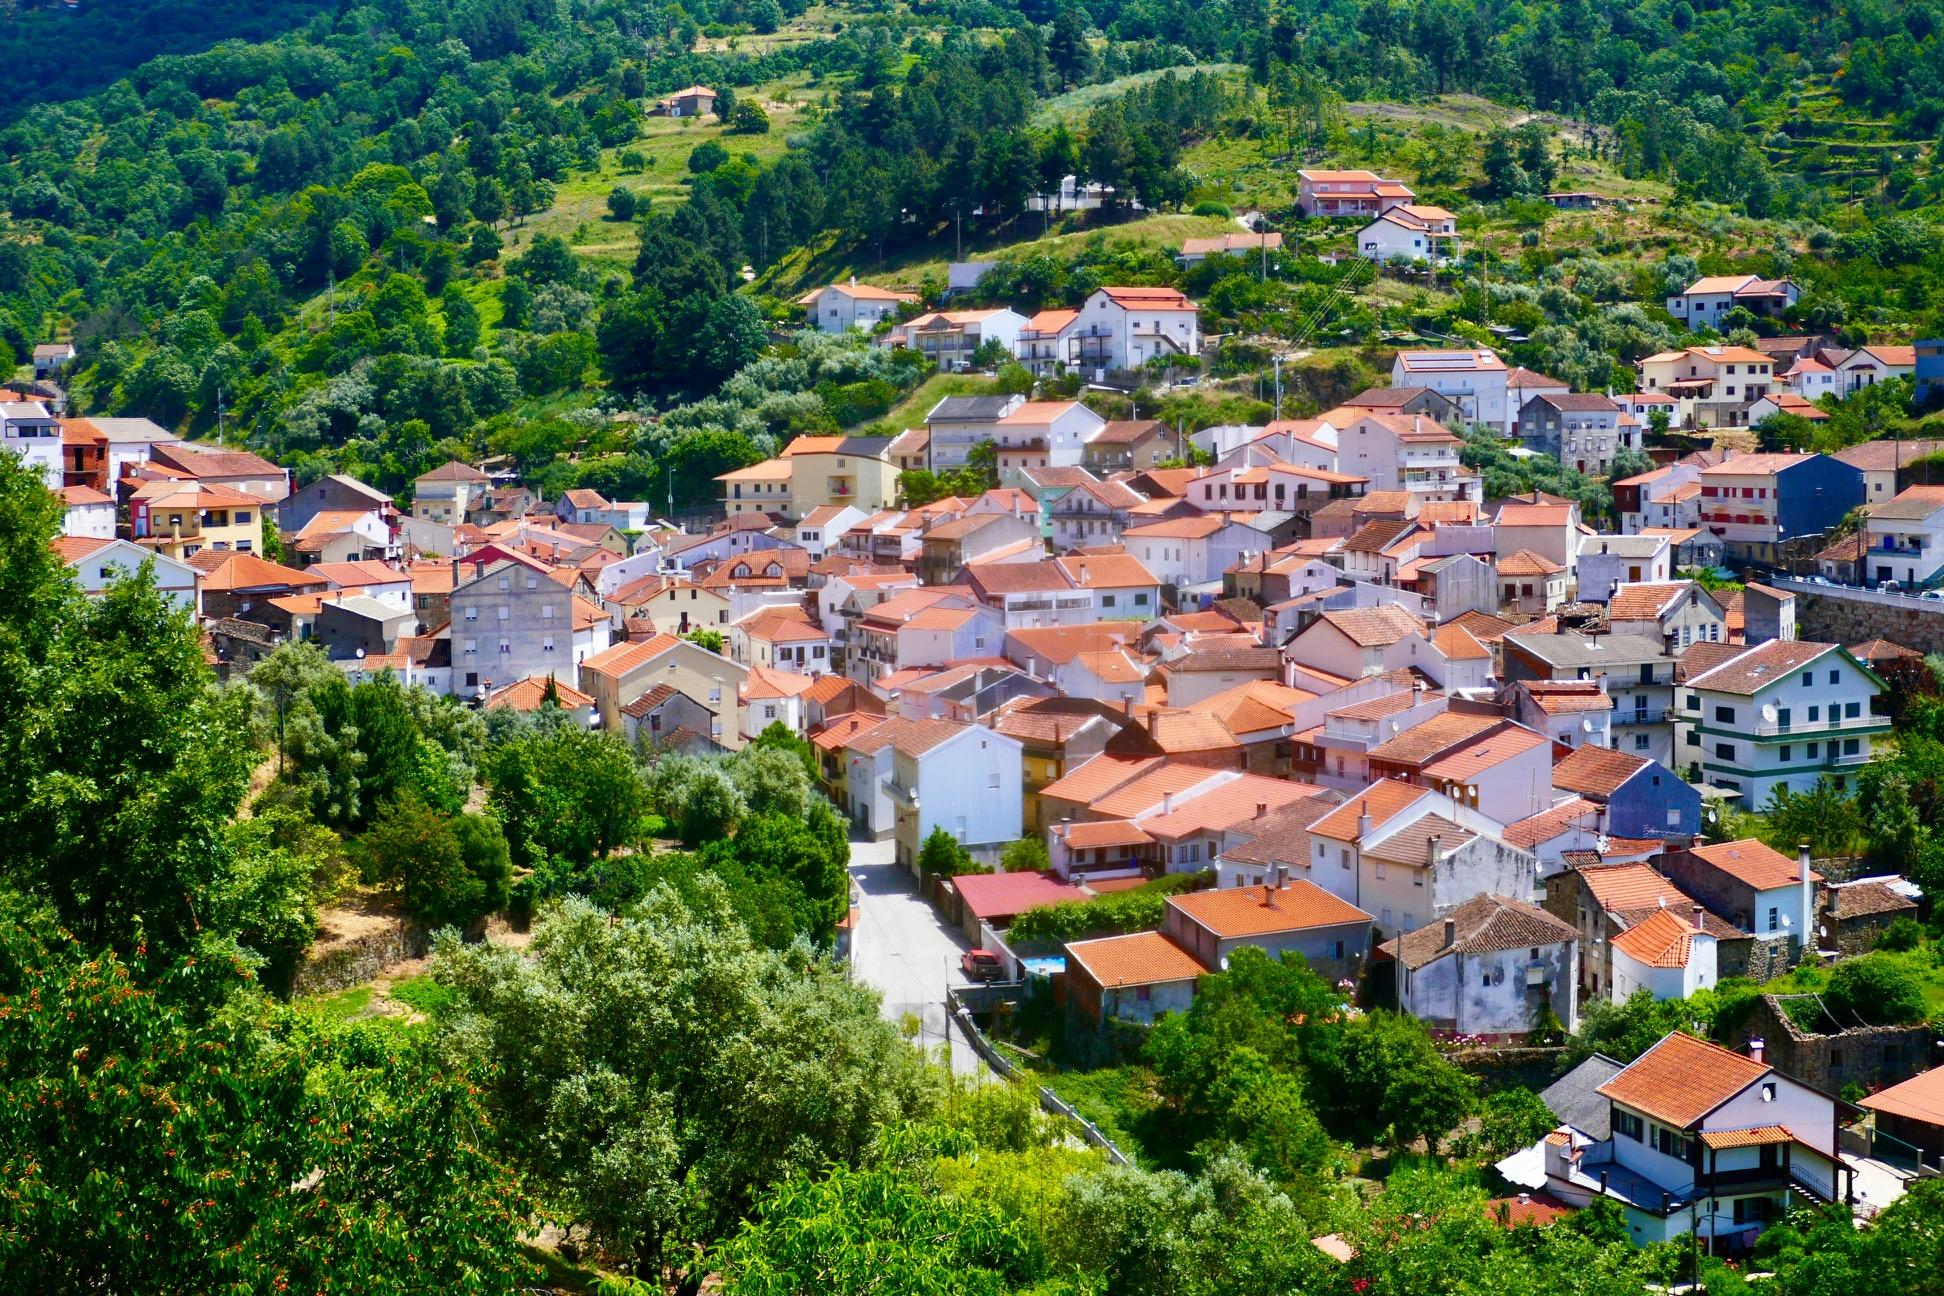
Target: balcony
(1644, 715)
(1865, 723)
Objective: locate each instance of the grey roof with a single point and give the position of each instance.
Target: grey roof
(969, 409)
(356, 487)
(1623, 546)
(371, 609)
(1575, 1099)
(132, 429)
(1576, 650)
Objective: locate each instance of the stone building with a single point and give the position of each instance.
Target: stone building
(1852, 915)
(1870, 1056)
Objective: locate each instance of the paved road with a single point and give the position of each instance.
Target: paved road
(905, 950)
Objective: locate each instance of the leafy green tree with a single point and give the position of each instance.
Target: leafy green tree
(697, 797)
(1027, 855)
(804, 1238)
(565, 794)
(643, 1119)
(706, 157)
(1825, 816)
(1380, 1078)
(778, 736)
(450, 870)
(1508, 1120)
(749, 119)
(621, 203)
(940, 855)
(706, 638)
(771, 781)
(121, 763)
(146, 1148)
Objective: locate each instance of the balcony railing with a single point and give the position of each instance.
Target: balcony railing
(1643, 715)
(1815, 728)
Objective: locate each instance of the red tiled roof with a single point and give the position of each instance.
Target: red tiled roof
(1920, 1098)
(1007, 895)
(1598, 771)
(1530, 832)
(1681, 1079)
(1098, 834)
(1663, 939)
(1755, 864)
(1233, 912)
(1484, 924)
(1142, 958)
(1382, 801)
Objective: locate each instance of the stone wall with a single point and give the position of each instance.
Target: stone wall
(355, 962)
(1826, 614)
(1871, 1056)
(1532, 1066)
(1756, 960)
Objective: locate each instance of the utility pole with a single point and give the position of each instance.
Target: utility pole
(1277, 360)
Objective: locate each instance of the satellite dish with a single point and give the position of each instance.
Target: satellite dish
(1586, 726)
(1787, 921)
(1769, 713)
(360, 654)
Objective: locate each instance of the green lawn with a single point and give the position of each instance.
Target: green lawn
(911, 411)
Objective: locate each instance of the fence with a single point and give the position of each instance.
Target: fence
(1050, 1102)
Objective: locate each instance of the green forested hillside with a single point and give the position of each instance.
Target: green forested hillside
(330, 229)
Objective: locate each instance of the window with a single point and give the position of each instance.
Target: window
(1725, 750)
(1852, 709)
(1693, 703)
(992, 779)
(506, 647)
(241, 517)
(1815, 714)
(715, 694)
(1693, 739)
(1835, 677)
(1670, 1143)
(1784, 753)
(472, 646)
(472, 614)
(1640, 742)
(1627, 1123)
(1382, 872)
(1345, 853)
(1725, 714)
(547, 644)
(1808, 679)
(1774, 918)
(1813, 750)
(1850, 747)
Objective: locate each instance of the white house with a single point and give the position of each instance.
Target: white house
(1782, 714)
(960, 777)
(1348, 193)
(1701, 1140)
(1407, 452)
(1703, 302)
(1187, 552)
(1473, 380)
(950, 339)
(1906, 538)
(1870, 365)
(1124, 328)
(90, 514)
(1678, 612)
(1494, 965)
(852, 305)
(1410, 232)
(1809, 377)
(1042, 434)
(1609, 560)
(1044, 342)
(99, 563)
(819, 530)
(1669, 954)
(32, 432)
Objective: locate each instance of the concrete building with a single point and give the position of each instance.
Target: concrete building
(1582, 431)
(1783, 714)
(1606, 561)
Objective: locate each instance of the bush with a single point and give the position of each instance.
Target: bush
(1877, 989)
(621, 203)
(1901, 936)
(1213, 209)
(749, 119)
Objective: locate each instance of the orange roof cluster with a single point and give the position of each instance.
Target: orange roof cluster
(1755, 864)
(1143, 958)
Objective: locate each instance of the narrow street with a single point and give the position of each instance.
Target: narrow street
(904, 949)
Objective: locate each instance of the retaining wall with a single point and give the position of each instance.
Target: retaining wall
(1839, 614)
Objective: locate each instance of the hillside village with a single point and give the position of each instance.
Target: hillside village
(1469, 757)
(1103, 649)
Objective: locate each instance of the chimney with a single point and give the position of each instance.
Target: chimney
(1432, 851)
(1152, 718)
(1451, 933)
(1698, 925)
(1525, 1199)
(1363, 827)
(1167, 803)
(1282, 877)
(1127, 707)
(1262, 808)
(1417, 692)
(1808, 900)
(1270, 887)
(1756, 1047)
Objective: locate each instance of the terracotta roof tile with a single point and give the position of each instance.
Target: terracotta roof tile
(1382, 801)
(1754, 863)
(1529, 833)
(1373, 627)
(1757, 668)
(1859, 899)
(1681, 1079)
(1142, 958)
(1239, 912)
(1424, 742)
(1665, 939)
(1099, 834)
(1097, 777)
(1596, 771)
(528, 694)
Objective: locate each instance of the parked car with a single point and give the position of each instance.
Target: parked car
(1934, 596)
(981, 965)
(1889, 587)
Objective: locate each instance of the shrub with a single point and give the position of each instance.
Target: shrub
(1877, 989)
(1901, 936)
(1207, 208)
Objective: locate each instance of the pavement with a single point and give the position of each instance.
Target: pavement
(1878, 1184)
(903, 948)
